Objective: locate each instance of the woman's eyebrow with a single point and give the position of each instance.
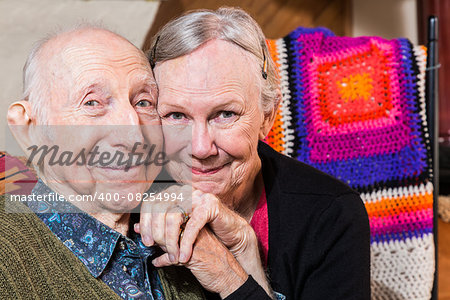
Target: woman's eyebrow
(171, 106)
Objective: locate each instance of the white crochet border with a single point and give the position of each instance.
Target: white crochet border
(288, 134)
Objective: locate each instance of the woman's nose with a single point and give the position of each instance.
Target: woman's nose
(203, 143)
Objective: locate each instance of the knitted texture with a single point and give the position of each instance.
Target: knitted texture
(36, 265)
(355, 109)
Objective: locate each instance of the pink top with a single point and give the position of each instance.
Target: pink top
(260, 223)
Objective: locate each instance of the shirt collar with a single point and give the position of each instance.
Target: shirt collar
(89, 239)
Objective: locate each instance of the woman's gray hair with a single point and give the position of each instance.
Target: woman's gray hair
(188, 32)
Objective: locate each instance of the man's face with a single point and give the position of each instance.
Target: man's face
(212, 94)
(102, 99)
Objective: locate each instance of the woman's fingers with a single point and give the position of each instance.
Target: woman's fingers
(162, 224)
(158, 225)
(190, 234)
(162, 261)
(174, 220)
(137, 228)
(193, 227)
(198, 219)
(145, 226)
(176, 216)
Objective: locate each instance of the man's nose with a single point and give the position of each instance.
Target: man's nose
(203, 142)
(124, 114)
(126, 129)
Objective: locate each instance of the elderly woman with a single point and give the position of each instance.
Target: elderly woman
(217, 83)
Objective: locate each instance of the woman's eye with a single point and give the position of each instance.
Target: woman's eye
(176, 116)
(226, 114)
(144, 103)
(92, 103)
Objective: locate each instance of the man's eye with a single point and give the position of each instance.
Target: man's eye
(144, 103)
(176, 116)
(227, 114)
(92, 103)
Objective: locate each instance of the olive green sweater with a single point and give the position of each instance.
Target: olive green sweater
(34, 264)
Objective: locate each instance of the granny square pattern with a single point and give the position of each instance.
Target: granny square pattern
(355, 109)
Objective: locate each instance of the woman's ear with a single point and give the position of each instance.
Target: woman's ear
(19, 121)
(269, 118)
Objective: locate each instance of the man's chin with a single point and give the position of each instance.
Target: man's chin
(123, 187)
(115, 197)
(120, 207)
(118, 175)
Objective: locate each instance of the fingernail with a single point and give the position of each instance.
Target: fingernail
(136, 227)
(172, 257)
(146, 240)
(183, 257)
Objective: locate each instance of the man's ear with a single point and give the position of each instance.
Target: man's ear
(19, 121)
(269, 118)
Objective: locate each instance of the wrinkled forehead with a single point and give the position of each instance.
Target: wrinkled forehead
(77, 60)
(95, 50)
(214, 64)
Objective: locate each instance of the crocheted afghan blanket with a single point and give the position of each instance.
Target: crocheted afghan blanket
(355, 109)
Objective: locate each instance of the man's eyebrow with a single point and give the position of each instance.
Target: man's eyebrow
(145, 83)
(83, 89)
(96, 86)
(148, 89)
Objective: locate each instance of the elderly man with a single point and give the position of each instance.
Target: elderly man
(91, 93)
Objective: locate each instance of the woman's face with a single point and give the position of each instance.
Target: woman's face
(209, 103)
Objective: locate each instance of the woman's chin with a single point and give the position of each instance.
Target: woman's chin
(214, 188)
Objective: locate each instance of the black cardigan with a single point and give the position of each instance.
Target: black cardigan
(319, 236)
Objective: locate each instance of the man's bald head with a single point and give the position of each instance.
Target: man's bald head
(47, 64)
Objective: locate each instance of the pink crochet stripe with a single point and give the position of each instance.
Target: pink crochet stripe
(420, 219)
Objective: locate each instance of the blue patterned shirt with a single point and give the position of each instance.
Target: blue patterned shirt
(119, 261)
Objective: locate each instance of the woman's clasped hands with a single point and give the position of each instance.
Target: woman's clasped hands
(203, 234)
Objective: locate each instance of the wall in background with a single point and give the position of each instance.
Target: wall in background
(277, 18)
(385, 18)
(26, 21)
